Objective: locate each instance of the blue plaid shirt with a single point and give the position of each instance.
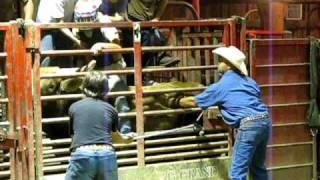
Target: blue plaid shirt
(236, 96)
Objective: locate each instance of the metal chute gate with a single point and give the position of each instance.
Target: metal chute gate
(16, 130)
(45, 156)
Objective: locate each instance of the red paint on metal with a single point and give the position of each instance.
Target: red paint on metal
(37, 106)
(10, 94)
(265, 33)
(29, 104)
(139, 99)
(196, 5)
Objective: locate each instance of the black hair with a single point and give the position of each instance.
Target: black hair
(95, 85)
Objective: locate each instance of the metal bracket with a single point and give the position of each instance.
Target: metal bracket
(21, 23)
(7, 139)
(136, 32)
(3, 134)
(314, 132)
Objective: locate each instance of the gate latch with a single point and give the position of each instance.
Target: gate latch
(3, 134)
(7, 139)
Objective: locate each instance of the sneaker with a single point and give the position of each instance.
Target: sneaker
(168, 61)
(125, 127)
(148, 82)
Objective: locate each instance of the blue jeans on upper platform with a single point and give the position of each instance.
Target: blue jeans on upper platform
(249, 150)
(92, 165)
(53, 40)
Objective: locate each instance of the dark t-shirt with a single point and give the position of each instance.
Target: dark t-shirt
(11, 9)
(143, 10)
(92, 122)
(104, 59)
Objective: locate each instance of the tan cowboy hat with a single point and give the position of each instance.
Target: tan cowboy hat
(234, 56)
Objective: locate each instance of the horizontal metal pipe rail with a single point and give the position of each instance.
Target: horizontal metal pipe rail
(3, 54)
(289, 166)
(290, 124)
(285, 84)
(209, 133)
(290, 144)
(4, 26)
(120, 93)
(282, 65)
(64, 119)
(158, 112)
(289, 104)
(131, 71)
(183, 23)
(149, 159)
(127, 50)
(129, 114)
(4, 77)
(149, 151)
(149, 92)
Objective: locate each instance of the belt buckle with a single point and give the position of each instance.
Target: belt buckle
(254, 117)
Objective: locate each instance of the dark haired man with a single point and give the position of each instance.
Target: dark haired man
(94, 128)
(148, 10)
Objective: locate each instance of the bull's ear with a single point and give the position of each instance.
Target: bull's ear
(83, 69)
(71, 85)
(91, 65)
(49, 86)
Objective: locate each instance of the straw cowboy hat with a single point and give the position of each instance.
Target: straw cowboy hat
(234, 56)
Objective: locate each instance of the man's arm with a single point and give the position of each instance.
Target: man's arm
(125, 16)
(98, 47)
(110, 33)
(118, 137)
(28, 9)
(69, 34)
(187, 102)
(116, 17)
(160, 10)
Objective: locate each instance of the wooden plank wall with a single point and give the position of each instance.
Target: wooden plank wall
(308, 25)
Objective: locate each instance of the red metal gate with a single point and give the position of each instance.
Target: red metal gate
(16, 106)
(133, 154)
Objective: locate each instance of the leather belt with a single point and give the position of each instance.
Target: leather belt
(95, 147)
(254, 117)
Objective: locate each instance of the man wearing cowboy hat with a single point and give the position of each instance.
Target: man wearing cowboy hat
(239, 101)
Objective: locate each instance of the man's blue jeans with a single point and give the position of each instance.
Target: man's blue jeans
(92, 165)
(249, 151)
(52, 40)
